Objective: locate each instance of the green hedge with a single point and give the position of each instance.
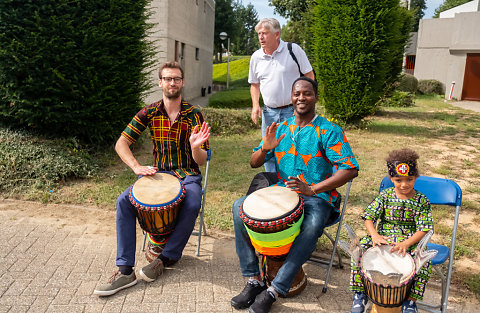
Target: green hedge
(229, 121)
(400, 99)
(407, 83)
(430, 86)
(73, 68)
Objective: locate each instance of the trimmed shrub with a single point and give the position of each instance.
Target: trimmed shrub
(229, 121)
(399, 99)
(30, 161)
(73, 68)
(232, 99)
(356, 48)
(430, 86)
(407, 82)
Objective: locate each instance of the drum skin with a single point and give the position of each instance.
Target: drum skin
(157, 199)
(387, 267)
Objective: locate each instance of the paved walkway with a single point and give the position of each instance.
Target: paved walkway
(469, 105)
(50, 264)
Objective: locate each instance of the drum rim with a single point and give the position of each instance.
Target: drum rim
(159, 205)
(275, 218)
(406, 282)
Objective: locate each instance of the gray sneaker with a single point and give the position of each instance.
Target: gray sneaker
(152, 271)
(116, 283)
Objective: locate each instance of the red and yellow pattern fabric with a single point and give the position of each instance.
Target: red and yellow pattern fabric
(171, 146)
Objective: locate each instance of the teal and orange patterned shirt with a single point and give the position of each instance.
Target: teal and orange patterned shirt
(171, 145)
(398, 219)
(311, 152)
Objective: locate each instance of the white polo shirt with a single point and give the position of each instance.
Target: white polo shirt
(277, 72)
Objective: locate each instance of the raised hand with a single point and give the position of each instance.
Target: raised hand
(199, 135)
(269, 140)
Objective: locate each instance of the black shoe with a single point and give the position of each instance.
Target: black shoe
(248, 294)
(263, 302)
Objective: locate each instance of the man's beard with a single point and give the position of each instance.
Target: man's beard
(173, 95)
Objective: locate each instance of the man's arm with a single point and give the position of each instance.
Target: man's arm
(310, 75)
(255, 95)
(122, 147)
(339, 178)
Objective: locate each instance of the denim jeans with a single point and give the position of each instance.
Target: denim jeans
(270, 115)
(127, 223)
(316, 214)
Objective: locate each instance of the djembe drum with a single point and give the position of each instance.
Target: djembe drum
(387, 277)
(157, 199)
(273, 217)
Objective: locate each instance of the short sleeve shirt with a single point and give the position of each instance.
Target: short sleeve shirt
(310, 152)
(397, 218)
(276, 73)
(171, 145)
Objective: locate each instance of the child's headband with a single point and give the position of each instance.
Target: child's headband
(398, 168)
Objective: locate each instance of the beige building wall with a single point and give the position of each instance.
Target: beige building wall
(184, 32)
(442, 49)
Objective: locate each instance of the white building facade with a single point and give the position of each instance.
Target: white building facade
(183, 32)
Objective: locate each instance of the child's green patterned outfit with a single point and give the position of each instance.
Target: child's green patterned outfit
(398, 219)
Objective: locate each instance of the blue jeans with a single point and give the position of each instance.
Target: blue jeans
(316, 213)
(270, 115)
(127, 223)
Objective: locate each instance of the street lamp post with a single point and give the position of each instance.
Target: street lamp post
(223, 36)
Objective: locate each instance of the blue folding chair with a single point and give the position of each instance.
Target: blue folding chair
(442, 192)
(202, 228)
(339, 222)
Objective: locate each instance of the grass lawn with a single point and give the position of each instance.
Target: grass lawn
(446, 138)
(238, 72)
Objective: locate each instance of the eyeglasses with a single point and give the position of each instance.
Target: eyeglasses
(168, 80)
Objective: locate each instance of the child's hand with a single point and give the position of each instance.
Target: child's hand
(401, 247)
(379, 240)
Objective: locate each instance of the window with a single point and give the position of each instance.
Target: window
(197, 54)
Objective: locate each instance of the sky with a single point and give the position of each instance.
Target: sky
(264, 10)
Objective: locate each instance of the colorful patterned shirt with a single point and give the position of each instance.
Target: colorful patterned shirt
(171, 145)
(397, 218)
(310, 152)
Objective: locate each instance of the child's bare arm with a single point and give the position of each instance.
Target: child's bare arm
(376, 238)
(403, 246)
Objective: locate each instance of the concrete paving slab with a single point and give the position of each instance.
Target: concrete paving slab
(61, 277)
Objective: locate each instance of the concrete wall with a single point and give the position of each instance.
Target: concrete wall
(442, 48)
(192, 23)
(411, 48)
(471, 6)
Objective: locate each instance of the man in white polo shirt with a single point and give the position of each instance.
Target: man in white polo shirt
(272, 73)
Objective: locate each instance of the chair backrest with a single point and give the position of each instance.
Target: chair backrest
(438, 190)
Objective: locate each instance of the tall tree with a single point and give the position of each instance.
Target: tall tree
(292, 9)
(448, 4)
(224, 22)
(357, 49)
(246, 41)
(418, 7)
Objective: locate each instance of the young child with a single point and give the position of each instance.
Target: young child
(403, 216)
